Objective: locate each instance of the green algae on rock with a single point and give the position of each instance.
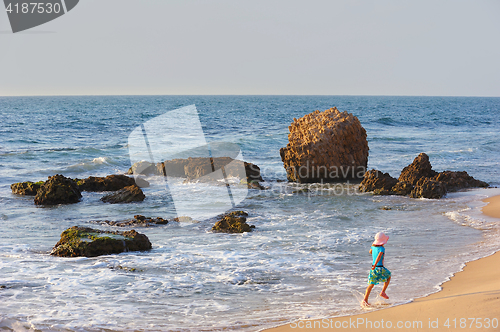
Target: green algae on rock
(233, 222)
(88, 242)
(58, 190)
(27, 188)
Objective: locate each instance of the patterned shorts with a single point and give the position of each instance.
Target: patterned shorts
(380, 274)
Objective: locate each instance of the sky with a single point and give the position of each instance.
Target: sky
(258, 47)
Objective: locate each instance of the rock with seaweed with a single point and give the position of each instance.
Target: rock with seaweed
(329, 146)
(27, 188)
(58, 190)
(126, 195)
(83, 241)
(233, 222)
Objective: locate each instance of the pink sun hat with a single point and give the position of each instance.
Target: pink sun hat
(380, 239)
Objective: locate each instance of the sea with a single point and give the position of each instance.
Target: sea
(308, 254)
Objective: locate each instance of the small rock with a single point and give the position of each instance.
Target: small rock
(126, 195)
(27, 188)
(108, 183)
(58, 190)
(233, 222)
(83, 241)
(374, 180)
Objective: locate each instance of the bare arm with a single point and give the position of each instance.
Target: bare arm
(377, 260)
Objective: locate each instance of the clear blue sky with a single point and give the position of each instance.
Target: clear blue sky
(382, 47)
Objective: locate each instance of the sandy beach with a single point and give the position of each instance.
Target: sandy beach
(470, 301)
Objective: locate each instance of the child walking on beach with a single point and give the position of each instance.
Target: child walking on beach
(378, 272)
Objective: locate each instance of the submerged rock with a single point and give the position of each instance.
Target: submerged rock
(233, 222)
(108, 183)
(58, 190)
(138, 221)
(327, 146)
(83, 241)
(27, 188)
(126, 195)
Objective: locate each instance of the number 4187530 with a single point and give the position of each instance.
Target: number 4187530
(472, 322)
(34, 7)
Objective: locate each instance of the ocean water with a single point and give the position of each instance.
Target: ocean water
(308, 256)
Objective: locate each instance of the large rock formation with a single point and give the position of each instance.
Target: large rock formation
(327, 146)
(108, 183)
(418, 180)
(126, 195)
(27, 188)
(88, 242)
(58, 190)
(233, 222)
(195, 168)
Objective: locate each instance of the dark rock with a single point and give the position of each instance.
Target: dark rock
(83, 241)
(138, 221)
(58, 190)
(329, 146)
(377, 181)
(108, 183)
(458, 180)
(126, 195)
(402, 188)
(27, 188)
(419, 168)
(428, 188)
(233, 222)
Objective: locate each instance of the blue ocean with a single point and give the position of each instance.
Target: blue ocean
(308, 255)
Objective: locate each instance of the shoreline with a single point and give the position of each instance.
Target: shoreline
(468, 301)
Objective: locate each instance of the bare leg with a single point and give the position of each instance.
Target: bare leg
(367, 294)
(386, 284)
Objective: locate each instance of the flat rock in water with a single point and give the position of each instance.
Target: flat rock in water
(58, 190)
(233, 222)
(108, 183)
(138, 221)
(83, 241)
(126, 195)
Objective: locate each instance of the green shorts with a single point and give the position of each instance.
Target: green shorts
(379, 274)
